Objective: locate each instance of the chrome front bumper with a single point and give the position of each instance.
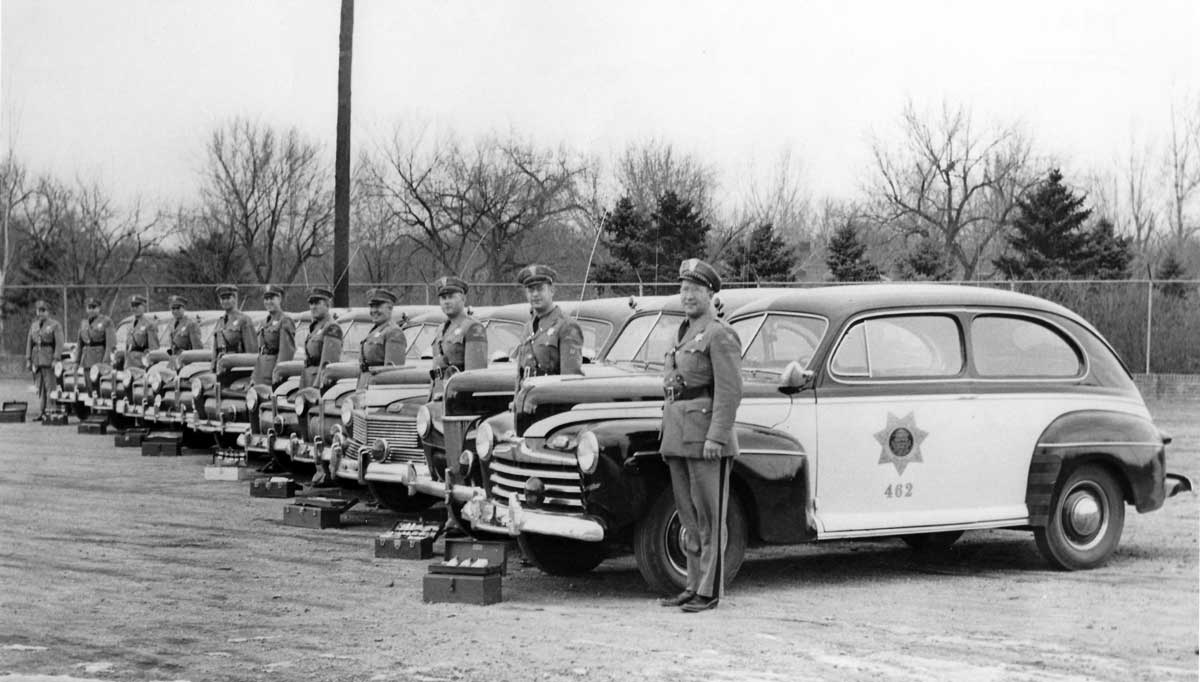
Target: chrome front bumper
(487, 515)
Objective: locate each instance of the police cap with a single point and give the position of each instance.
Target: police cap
(696, 270)
(380, 296)
(137, 299)
(272, 290)
(450, 285)
(536, 274)
(224, 290)
(177, 301)
(317, 293)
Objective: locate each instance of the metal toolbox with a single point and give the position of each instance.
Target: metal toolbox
(480, 590)
(13, 411)
(93, 425)
(276, 487)
(130, 438)
(316, 512)
(56, 419)
(467, 551)
(162, 444)
(411, 538)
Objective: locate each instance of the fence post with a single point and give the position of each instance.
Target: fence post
(66, 313)
(1149, 318)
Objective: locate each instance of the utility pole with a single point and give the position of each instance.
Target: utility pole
(341, 163)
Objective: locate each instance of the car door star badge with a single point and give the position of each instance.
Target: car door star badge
(900, 441)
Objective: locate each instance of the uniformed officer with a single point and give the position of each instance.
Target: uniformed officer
(385, 344)
(143, 333)
(462, 342)
(553, 342)
(234, 332)
(324, 342)
(703, 386)
(185, 331)
(42, 349)
(276, 337)
(97, 340)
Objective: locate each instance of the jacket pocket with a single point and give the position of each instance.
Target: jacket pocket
(696, 419)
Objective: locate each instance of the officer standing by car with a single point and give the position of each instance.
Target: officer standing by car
(276, 337)
(323, 344)
(234, 332)
(185, 331)
(702, 384)
(97, 340)
(143, 333)
(461, 344)
(553, 342)
(384, 344)
(44, 345)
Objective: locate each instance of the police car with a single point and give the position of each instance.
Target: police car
(911, 410)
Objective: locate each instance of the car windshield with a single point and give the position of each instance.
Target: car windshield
(504, 335)
(353, 335)
(122, 333)
(646, 339)
(770, 342)
(207, 328)
(595, 333)
(420, 340)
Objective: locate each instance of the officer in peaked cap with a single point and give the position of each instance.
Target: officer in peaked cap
(276, 337)
(96, 341)
(185, 331)
(143, 333)
(702, 384)
(42, 349)
(553, 342)
(384, 344)
(234, 332)
(461, 343)
(324, 342)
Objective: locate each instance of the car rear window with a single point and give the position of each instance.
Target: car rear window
(1003, 346)
(900, 346)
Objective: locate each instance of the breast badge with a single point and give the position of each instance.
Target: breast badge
(900, 441)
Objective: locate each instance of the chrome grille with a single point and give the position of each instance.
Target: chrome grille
(400, 432)
(506, 476)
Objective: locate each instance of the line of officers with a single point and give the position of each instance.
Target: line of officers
(701, 376)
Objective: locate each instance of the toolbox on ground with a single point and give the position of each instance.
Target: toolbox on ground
(94, 425)
(316, 512)
(130, 438)
(13, 411)
(274, 486)
(56, 419)
(229, 472)
(470, 573)
(411, 538)
(162, 444)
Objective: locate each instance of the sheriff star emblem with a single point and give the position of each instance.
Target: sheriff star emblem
(900, 441)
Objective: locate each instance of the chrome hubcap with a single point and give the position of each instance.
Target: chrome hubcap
(1084, 516)
(675, 535)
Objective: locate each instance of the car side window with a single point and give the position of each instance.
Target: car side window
(782, 339)
(1018, 347)
(901, 346)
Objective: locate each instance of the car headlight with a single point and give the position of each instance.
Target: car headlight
(58, 368)
(379, 450)
(156, 382)
(95, 373)
(197, 388)
(146, 361)
(301, 406)
(587, 452)
(485, 438)
(424, 421)
(251, 399)
(347, 411)
(125, 379)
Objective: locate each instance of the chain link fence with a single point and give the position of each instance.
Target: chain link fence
(1154, 325)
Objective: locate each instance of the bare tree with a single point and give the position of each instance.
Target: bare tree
(376, 232)
(14, 192)
(950, 182)
(647, 171)
(777, 199)
(271, 190)
(1183, 169)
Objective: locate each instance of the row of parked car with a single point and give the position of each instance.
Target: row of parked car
(914, 411)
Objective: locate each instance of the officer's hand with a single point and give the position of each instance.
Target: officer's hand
(712, 449)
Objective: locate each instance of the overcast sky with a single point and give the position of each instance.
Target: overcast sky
(127, 90)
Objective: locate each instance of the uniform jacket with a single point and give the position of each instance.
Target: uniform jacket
(143, 337)
(707, 354)
(553, 345)
(461, 345)
(384, 345)
(45, 342)
(185, 335)
(322, 346)
(97, 339)
(276, 342)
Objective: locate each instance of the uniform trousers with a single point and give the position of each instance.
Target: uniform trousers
(701, 489)
(43, 379)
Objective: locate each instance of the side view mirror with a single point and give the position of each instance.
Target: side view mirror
(499, 356)
(795, 379)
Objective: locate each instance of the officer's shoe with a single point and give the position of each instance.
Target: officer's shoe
(679, 599)
(699, 604)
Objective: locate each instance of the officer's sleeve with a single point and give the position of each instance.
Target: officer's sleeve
(331, 344)
(110, 340)
(287, 339)
(60, 340)
(249, 336)
(152, 336)
(475, 347)
(193, 332)
(395, 347)
(29, 346)
(570, 348)
(725, 353)
(78, 354)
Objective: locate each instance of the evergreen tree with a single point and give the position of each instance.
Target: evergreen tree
(1109, 255)
(1048, 240)
(763, 256)
(1170, 268)
(846, 257)
(926, 261)
(649, 248)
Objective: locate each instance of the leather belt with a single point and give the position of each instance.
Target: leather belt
(138, 350)
(687, 392)
(90, 344)
(268, 351)
(43, 344)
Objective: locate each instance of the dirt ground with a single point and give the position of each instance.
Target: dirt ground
(114, 566)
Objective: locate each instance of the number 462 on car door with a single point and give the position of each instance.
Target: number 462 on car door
(898, 490)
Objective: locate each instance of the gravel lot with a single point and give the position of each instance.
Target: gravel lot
(114, 566)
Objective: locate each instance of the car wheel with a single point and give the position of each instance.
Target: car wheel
(658, 544)
(561, 556)
(395, 496)
(929, 543)
(1085, 522)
